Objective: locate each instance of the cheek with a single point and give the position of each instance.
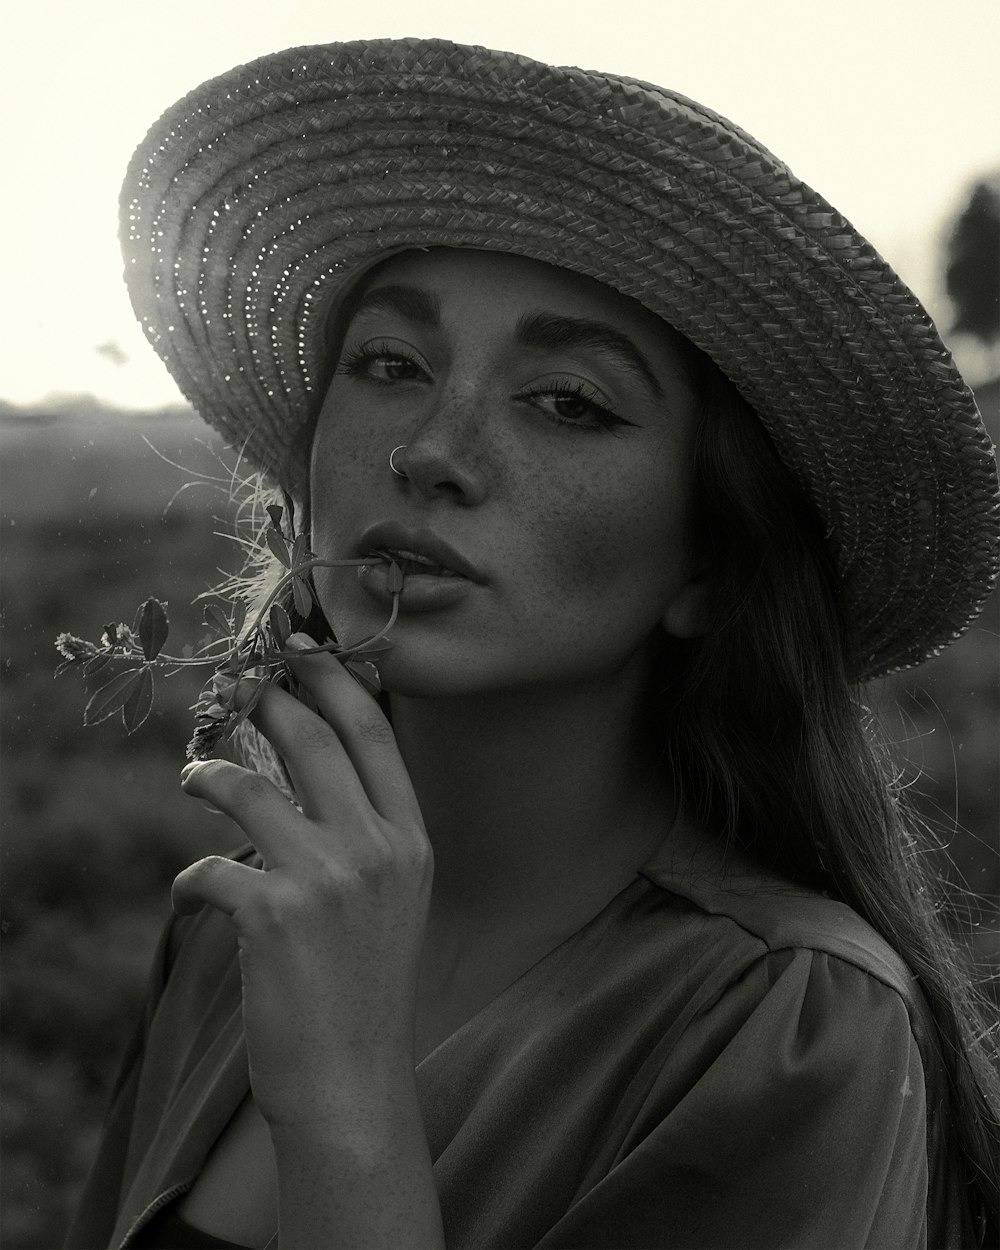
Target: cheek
(621, 535)
(337, 466)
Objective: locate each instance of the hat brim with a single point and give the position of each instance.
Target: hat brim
(256, 200)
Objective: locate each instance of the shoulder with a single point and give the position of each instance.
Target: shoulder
(805, 994)
(774, 1079)
(767, 917)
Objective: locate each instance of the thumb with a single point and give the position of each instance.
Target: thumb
(217, 882)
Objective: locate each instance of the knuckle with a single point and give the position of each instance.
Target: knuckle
(314, 735)
(377, 862)
(210, 864)
(373, 729)
(416, 852)
(197, 883)
(273, 909)
(420, 865)
(210, 868)
(254, 788)
(387, 858)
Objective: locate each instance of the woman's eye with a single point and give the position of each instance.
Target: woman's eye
(378, 363)
(570, 403)
(393, 368)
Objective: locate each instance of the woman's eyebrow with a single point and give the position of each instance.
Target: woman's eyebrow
(413, 302)
(553, 333)
(544, 330)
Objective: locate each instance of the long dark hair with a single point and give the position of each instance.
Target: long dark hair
(774, 748)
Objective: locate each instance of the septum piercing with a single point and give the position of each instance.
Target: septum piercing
(398, 472)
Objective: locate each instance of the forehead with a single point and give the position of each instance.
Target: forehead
(506, 271)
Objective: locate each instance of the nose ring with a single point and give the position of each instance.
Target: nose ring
(392, 465)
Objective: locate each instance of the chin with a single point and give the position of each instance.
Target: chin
(425, 672)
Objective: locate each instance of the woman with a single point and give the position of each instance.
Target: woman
(604, 926)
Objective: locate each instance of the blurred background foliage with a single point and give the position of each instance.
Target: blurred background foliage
(94, 823)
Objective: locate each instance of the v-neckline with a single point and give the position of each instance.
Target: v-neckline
(517, 984)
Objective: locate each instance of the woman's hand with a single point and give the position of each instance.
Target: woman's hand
(330, 932)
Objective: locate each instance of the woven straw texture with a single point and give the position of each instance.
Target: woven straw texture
(254, 201)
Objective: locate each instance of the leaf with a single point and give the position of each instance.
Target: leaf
(137, 706)
(110, 635)
(106, 701)
(302, 597)
(281, 626)
(300, 551)
(278, 546)
(395, 578)
(275, 511)
(152, 628)
(216, 619)
(96, 664)
(221, 686)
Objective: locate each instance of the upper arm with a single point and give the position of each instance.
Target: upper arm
(807, 1129)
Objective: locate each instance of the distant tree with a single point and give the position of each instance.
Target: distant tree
(973, 267)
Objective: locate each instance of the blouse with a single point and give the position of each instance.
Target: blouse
(717, 1059)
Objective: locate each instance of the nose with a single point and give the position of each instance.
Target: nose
(444, 455)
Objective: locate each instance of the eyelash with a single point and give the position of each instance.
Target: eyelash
(356, 362)
(604, 418)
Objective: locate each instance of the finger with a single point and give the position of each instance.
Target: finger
(216, 882)
(362, 729)
(361, 726)
(325, 781)
(268, 819)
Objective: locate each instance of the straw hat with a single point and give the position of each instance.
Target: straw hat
(254, 201)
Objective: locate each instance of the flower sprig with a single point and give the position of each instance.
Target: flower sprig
(235, 652)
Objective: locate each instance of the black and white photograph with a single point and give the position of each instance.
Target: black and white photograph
(499, 630)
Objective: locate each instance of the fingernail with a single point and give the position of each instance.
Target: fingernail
(299, 642)
(188, 769)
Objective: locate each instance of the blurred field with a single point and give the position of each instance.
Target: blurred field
(95, 826)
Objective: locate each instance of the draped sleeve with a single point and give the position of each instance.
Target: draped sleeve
(94, 1217)
(805, 1129)
(132, 1122)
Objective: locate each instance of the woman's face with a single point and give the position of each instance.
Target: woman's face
(546, 426)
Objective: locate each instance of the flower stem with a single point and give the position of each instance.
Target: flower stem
(367, 642)
(276, 657)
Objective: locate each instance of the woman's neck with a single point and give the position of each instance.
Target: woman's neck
(533, 796)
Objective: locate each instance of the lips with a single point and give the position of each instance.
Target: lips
(418, 552)
(414, 565)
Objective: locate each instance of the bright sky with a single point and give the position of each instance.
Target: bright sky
(888, 107)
